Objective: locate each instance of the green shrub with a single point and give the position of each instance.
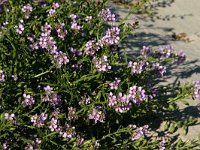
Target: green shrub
(64, 83)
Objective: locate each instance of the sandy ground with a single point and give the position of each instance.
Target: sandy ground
(179, 17)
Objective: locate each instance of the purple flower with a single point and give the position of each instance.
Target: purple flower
(39, 120)
(111, 37)
(159, 69)
(181, 57)
(51, 12)
(34, 46)
(137, 67)
(53, 124)
(88, 18)
(56, 112)
(61, 31)
(137, 94)
(153, 94)
(20, 28)
(101, 64)
(145, 51)
(5, 146)
(74, 23)
(72, 114)
(123, 103)
(106, 15)
(75, 26)
(10, 117)
(91, 47)
(53, 9)
(48, 90)
(60, 59)
(34, 145)
(112, 100)
(27, 9)
(120, 103)
(165, 51)
(74, 18)
(75, 52)
(197, 89)
(68, 131)
(97, 114)
(84, 100)
(138, 132)
(55, 5)
(114, 84)
(28, 100)
(46, 29)
(2, 76)
(51, 96)
(46, 41)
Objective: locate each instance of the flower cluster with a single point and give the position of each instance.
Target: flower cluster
(91, 47)
(165, 51)
(51, 96)
(47, 42)
(111, 37)
(54, 125)
(97, 114)
(53, 9)
(27, 9)
(2, 76)
(75, 52)
(28, 100)
(39, 120)
(60, 58)
(145, 51)
(10, 117)
(74, 23)
(68, 131)
(34, 45)
(137, 67)
(34, 145)
(115, 84)
(84, 100)
(123, 102)
(181, 57)
(101, 64)
(137, 94)
(120, 103)
(56, 112)
(20, 27)
(61, 31)
(106, 15)
(72, 114)
(138, 132)
(197, 89)
(159, 69)
(88, 18)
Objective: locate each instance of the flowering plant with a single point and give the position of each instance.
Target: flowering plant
(64, 83)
